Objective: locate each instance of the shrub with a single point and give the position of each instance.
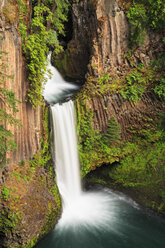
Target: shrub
(135, 87)
(160, 88)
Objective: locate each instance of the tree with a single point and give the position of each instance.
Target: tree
(113, 133)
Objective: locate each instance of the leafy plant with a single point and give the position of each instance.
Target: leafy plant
(47, 22)
(135, 86)
(5, 192)
(160, 88)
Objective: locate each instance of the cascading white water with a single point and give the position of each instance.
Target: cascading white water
(56, 87)
(79, 208)
(66, 156)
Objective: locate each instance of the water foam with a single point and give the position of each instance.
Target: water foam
(90, 209)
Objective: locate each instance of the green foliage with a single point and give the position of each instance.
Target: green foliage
(9, 11)
(145, 14)
(158, 66)
(137, 18)
(161, 123)
(5, 192)
(46, 24)
(160, 88)
(95, 148)
(8, 220)
(131, 85)
(113, 133)
(97, 180)
(60, 15)
(104, 78)
(134, 87)
(88, 138)
(144, 168)
(7, 97)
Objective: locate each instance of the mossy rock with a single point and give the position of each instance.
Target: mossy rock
(30, 206)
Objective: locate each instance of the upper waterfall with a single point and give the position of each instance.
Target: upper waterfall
(56, 88)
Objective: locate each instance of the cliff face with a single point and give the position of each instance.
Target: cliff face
(100, 41)
(28, 136)
(101, 37)
(128, 115)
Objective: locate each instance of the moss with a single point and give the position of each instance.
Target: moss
(32, 243)
(9, 10)
(97, 180)
(21, 204)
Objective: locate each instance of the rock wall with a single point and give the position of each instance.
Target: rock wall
(30, 203)
(27, 137)
(129, 115)
(101, 36)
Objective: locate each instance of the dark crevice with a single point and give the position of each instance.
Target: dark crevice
(68, 30)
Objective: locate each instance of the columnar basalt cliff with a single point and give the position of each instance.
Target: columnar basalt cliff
(100, 43)
(27, 137)
(128, 114)
(29, 201)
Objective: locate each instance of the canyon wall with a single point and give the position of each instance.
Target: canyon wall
(27, 137)
(100, 41)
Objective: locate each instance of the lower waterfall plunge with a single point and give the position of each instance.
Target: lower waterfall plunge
(79, 208)
(93, 219)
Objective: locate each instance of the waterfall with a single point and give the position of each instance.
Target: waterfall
(66, 156)
(56, 88)
(79, 208)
